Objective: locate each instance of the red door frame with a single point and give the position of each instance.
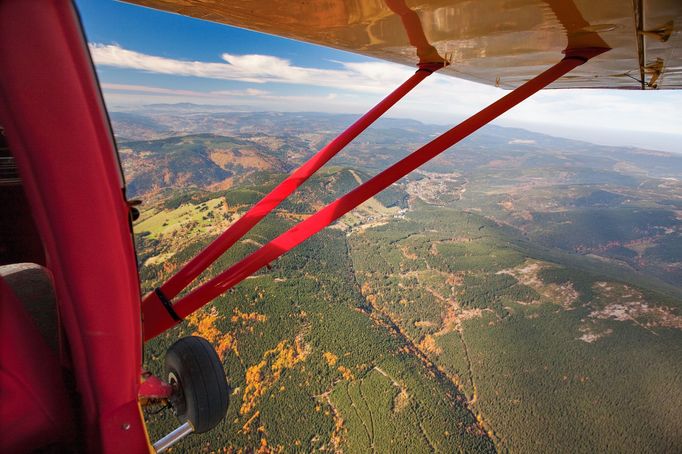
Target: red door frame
(57, 129)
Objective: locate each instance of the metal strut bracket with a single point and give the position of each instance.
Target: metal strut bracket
(167, 304)
(157, 320)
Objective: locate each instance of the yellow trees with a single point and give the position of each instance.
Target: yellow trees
(262, 376)
(204, 324)
(330, 358)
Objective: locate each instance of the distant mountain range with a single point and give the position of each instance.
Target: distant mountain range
(281, 141)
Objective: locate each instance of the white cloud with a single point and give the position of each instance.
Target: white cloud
(154, 90)
(244, 68)
(439, 98)
(182, 93)
(256, 92)
(125, 95)
(247, 92)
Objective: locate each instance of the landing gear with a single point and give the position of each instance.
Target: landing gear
(200, 391)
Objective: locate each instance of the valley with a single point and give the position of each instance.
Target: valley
(519, 294)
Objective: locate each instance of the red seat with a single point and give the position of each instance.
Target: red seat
(35, 410)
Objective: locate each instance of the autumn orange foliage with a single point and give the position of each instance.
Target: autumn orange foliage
(429, 345)
(247, 316)
(346, 372)
(227, 343)
(330, 358)
(204, 324)
(365, 289)
(262, 376)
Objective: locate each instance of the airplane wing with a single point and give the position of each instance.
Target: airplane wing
(496, 42)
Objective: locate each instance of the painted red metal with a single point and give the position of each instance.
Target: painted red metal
(56, 126)
(205, 258)
(157, 320)
(35, 410)
(153, 387)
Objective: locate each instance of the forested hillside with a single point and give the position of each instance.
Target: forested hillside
(520, 294)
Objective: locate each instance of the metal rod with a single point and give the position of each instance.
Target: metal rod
(173, 437)
(638, 6)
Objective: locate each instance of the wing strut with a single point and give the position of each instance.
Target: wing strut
(191, 270)
(157, 319)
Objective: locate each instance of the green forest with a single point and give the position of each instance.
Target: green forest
(512, 298)
(439, 331)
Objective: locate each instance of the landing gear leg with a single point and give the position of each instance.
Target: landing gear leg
(200, 391)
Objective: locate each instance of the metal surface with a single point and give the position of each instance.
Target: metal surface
(497, 42)
(153, 388)
(174, 437)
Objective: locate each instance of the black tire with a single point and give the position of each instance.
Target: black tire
(200, 388)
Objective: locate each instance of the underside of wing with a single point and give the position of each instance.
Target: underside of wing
(496, 42)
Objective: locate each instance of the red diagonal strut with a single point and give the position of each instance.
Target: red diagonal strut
(157, 319)
(206, 257)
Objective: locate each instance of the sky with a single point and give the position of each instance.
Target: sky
(144, 56)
